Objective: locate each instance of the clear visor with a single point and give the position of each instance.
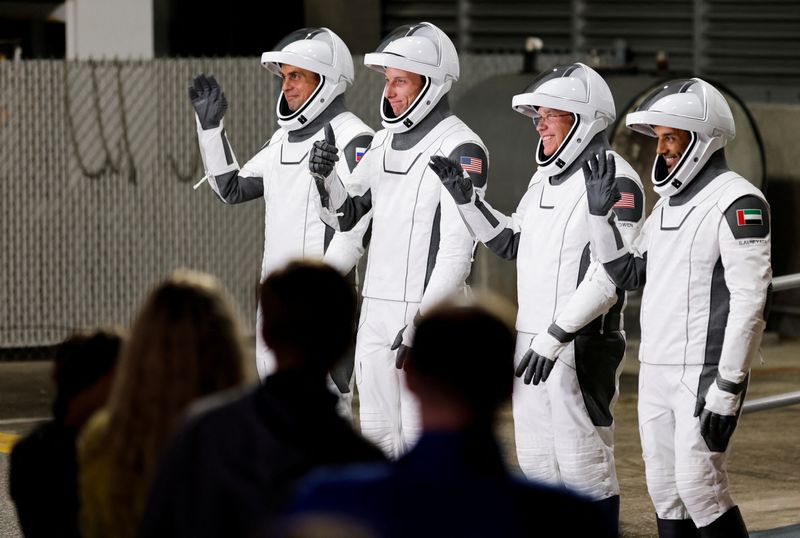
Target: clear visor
(565, 82)
(410, 38)
(685, 97)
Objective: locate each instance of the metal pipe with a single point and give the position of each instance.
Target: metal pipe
(786, 282)
(772, 402)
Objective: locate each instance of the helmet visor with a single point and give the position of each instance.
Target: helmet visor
(392, 43)
(320, 51)
(566, 82)
(308, 48)
(685, 98)
(302, 35)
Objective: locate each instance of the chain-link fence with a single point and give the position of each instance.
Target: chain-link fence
(97, 162)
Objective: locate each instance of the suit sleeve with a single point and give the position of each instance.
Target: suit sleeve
(231, 184)
(744, 244)
(347, 247)
(456, 245)
(619, 239)
(350, 201)
(597, 292)
(500, 233)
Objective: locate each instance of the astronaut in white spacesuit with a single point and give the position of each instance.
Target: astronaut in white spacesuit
(569, 309)
(703, 258)
(420, 251)
(315, 67)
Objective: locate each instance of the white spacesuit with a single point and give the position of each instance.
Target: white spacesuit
(705, 254)
(568, 307)
(420, 251)
(279, 171)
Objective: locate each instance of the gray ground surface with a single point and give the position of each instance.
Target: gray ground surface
(764, 467)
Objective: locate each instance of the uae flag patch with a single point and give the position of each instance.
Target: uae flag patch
(745, 217)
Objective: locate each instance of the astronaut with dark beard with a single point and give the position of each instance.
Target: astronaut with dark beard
(703, 258)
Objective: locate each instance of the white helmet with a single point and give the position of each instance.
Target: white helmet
(423, 49)
(575, 88)
(318, 50)
(691, 105)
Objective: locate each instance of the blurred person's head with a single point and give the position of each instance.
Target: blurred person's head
(185, 343)
(461, 367)
(82, 371)
(308, 313)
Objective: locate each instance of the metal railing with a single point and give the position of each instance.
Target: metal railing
(779, 283)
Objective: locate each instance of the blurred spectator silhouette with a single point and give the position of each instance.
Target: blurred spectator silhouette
(454, 481)
(43, 479)
(185, 343)
(235, 462)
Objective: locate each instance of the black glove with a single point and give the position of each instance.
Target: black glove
(452, 177)
(535, 367)
(323, 155)
(717, 429)
(208, 101)
(599, 175)
(342, 372)
(402, 349)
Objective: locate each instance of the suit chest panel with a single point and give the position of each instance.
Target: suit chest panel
(408, 189)
(555, 221)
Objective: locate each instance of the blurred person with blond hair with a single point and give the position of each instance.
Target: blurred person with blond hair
(237, 458)
(185, 343)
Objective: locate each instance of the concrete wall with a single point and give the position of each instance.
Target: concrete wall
(109, 29)
(779, 125)
(357, 22)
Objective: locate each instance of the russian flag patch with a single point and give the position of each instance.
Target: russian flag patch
(745, 217)
(360, 153)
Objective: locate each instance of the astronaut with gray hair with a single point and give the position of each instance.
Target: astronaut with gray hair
(570, 339)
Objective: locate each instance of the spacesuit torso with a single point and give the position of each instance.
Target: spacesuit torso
(292, 228)
(719, 300)
(415, 224)
(554, 253)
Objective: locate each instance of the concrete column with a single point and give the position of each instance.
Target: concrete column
(109, 29)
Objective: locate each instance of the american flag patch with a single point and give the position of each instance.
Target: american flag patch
(626, 201)
(749, 216)
(360, 153)
(471, 164)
